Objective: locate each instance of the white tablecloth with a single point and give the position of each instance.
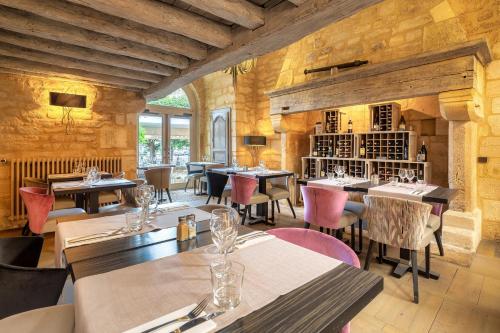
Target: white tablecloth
(80, 183)
(335, 184)
(68, 230)
(125, 298)
(402, 191)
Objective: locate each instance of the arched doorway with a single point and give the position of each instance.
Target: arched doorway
(167, 133)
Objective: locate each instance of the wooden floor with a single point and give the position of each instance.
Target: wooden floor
(464, 299)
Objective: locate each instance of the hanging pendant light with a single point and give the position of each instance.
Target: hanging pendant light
(241, 68)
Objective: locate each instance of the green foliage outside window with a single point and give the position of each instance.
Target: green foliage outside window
(142, 135)
(179, 144)
(177, 99)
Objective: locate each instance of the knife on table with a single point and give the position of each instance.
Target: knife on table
(197, 321)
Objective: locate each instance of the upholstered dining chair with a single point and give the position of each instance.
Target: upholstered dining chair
(60, 202)
(217, 186)
(26, 288)
(325, 208)
(129, 193)
(279, 190)
(400, 223)
(113, 196)
(320, 243)
(21, 251)
(51, 319)
(38, 204)
(210, 207)
(243, 193)
(204, 180)
(194, 173)
(160, 178)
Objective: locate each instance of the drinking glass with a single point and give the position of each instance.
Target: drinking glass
(262, 165)
(410, 174)
(330, 175)
(421, 184)
(402, 175)
(234, 163)
(393, 181)
(224, 229)
(134, 222)
(227, 283)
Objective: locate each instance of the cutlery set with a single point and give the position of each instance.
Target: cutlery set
(99, 235)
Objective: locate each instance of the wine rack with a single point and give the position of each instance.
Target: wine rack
(400, 146)
(387, 116)
(310, 167)
(332, 121)
(388, 169)
(354, 168)
(333, 145)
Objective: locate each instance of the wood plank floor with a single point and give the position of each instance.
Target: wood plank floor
(464, 299)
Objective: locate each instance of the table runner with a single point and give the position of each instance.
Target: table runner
(335, 183)
(125, 298)
(402, 191)
(72, 229)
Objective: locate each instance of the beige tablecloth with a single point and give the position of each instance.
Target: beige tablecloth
(402, 191)
(125, 298)
(68, 230)
(335, 183)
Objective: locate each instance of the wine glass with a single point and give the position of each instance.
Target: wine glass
(402, 175)
(224, 229)
(410, 174)
(262, 165)
(234, 163)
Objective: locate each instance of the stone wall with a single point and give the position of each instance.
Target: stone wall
(30, 127)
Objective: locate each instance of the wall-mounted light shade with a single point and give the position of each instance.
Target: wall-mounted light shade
(254, 140)
(68, 100)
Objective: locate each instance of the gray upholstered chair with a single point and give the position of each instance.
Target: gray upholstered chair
(400, 223)
(209, 208)
(278, 189)
(194, 174)
(160, 178)
(51, 319)
(204, 179)
(114, 196)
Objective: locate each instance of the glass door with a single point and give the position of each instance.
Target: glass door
(179, 143)
(150, 145)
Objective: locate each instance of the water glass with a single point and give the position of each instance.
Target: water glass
(227, 283)
(224, 229)
(134, 222)
(393, 181)
(410, 174)
(330, 175)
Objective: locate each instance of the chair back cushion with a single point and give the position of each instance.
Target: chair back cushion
(158, 177)
(323, 207)
(216, 182)
(318, 242)
(38, 204)
(396, 222)
(242, 189)
(193, 168)
(23, 289)
(35, 182)
(21, 251)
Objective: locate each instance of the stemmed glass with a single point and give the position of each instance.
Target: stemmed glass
(410, 174)
(143, 196)
(234, 163)
(402, 175)
(262, 165)
(224, 229)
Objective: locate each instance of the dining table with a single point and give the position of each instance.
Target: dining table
(87, 195)
(432, 194)
(73, 176)
(262, 176)
(123, 284)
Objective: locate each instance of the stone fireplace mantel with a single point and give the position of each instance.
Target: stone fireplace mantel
(456, 76)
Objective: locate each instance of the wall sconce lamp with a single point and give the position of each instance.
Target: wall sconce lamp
(254, 143)
(68, 102)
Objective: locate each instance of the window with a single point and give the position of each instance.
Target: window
(177, 99)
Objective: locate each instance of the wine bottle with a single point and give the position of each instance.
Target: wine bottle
(402, 123)
(330, 148)
(423, 152)
(405, 150)
(306, 173)
(337, 151)
(349, 126)
(323, 172)
(376, 125)
(362, 149)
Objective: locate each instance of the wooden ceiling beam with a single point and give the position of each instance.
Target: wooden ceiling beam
(241, 12)
(47, 58)
(90, 19)
(163, 16)
(29, 24)
(284, 25)
(76, 52)
(74, 74)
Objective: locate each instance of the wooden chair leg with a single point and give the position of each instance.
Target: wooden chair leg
(369, 255)
(26, 229)
(168, 195)
(428, 261)
(380, 253)
(360, 240)
(219, 200)
(272, 211)
(244, 215)
(328, 231)
(339, 234)
(353, 238)
(307, 225)
(437, 235)
(320, 229)
(208, 200)
(250, 211)
(291, 207)
(225, 201)
(414, 269)
(278, 206)
(185, 187)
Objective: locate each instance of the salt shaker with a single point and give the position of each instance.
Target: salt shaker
(182, 229)
(191, 222)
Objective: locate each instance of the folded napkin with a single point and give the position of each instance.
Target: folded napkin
(201, 328)
(173, 206)
(253, 241)
(94, 238)
(402, 191)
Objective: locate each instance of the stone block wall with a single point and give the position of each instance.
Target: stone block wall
(30, 127)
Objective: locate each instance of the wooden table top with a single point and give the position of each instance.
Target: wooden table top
(257, 174)
(441, 194)
(147, 167)
(81, 188)
(65, 177)
(324, 304)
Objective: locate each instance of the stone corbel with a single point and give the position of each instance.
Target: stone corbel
(277, 123)
(461, 105)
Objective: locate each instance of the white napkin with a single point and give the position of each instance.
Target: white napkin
(253, 241)
(99, 238)
(402, 191)
(201, 328)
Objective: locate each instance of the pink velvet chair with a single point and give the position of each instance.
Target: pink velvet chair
(243, 193)
(325, 208)
(320, 243)
(38, 204)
